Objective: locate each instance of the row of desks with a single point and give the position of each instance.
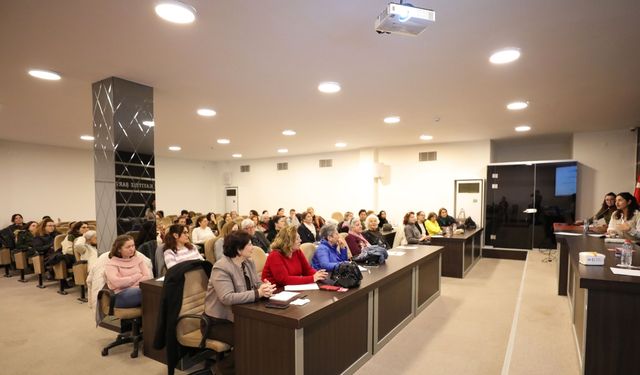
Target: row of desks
(348, 327)
(604, 306)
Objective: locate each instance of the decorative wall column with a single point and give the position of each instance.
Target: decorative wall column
(124, 163)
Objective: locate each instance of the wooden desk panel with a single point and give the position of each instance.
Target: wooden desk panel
(331, 346)
(265, 349)
(428, 281)
(459, 252)
(394, 304)
(151, 300)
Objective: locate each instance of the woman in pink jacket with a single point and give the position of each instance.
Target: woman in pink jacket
(124, 272)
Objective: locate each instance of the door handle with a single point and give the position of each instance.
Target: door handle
(530, 211)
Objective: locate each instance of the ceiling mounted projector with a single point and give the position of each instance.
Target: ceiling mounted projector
(404, 19)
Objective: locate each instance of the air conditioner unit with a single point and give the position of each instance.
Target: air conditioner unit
(404, 19)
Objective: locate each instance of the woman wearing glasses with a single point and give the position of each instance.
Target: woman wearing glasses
(177, 247)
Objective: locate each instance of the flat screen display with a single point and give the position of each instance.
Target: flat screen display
(566, 180)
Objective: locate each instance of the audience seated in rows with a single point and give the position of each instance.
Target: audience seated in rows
(421, 217)
(293, 218)
(275, 225)
(444, 220)
(432, 224)
(228, 227)
(88, 251)
(362, 215)
(332, 249)
(124, 271)
(355, 239)
(411, 232)
(201, 232)
(233, 281)
(373, 234)
(306, 230)
(257, 238)
(382, 217)
(147, 233)
(177, 247)
(73, 238)
(25, 238)
(286, 263)
(343, 226)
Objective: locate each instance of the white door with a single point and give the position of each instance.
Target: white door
(469, 197)
(231, 199)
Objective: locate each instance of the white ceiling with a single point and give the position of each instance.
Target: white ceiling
(258, 63)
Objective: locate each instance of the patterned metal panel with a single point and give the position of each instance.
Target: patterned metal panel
(123, 156)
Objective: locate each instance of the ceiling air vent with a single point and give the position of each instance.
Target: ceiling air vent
(326, 163)
(428, 156)
(283, 166)
(245, 168)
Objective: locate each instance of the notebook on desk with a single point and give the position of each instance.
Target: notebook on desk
(283, 298)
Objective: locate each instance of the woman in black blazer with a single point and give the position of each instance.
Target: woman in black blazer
(306, 229)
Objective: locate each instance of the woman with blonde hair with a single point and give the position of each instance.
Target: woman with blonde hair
(218, 247)
(286, 264)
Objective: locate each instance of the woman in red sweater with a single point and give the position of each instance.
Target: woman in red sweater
(286, 263)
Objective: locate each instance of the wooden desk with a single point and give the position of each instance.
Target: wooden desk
(604, 308)
(337, 332)
(461, 251)
(151, 300)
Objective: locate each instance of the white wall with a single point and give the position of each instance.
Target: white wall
(607, 163)
(186, 184)
(42, 180)
(427, 186)
(45, 180)
(304, 184)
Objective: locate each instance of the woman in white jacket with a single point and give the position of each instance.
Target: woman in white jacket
(625, 221)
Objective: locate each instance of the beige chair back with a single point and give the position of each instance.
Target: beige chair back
(21, 260)
(57, 242)
(337, 216)
(308, 249)
(5, 256)
(259, 258)
(195, 289)
(209, 253)
(38, 264)
(80, 272)
(400, 238)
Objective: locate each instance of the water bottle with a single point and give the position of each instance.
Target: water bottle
(626, 257)
(585, 229)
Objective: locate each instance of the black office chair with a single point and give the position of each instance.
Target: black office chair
(130, 321)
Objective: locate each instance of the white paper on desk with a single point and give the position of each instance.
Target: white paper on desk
(300, 301)
(614, 240)
(625, 272)
(362, 269)
(569, 233)
(297, 288)
(160, 278)
(405, 247)
(283, 296)
(395, 253)
(599, 235)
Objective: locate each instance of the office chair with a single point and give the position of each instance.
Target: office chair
(188, 330)
(130, 321)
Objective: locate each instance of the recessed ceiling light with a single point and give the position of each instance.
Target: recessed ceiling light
(223, 141)
(289, 132)
(329, 87)
(176, 12)
(505, 56)
(45, 74)
(283, 150)
(87, 137)
(341, 144)
(206, 112)
(175, 148)
(236, 155)
(149, 123)
(392, 120)
(426, 137)
(515, 106)
(523, 128)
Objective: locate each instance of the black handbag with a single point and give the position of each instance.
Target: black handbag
(347, 275)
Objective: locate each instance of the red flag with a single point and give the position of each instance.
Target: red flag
(636, 192)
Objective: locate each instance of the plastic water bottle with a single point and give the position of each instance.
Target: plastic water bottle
(626, 257)
(585, 229)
